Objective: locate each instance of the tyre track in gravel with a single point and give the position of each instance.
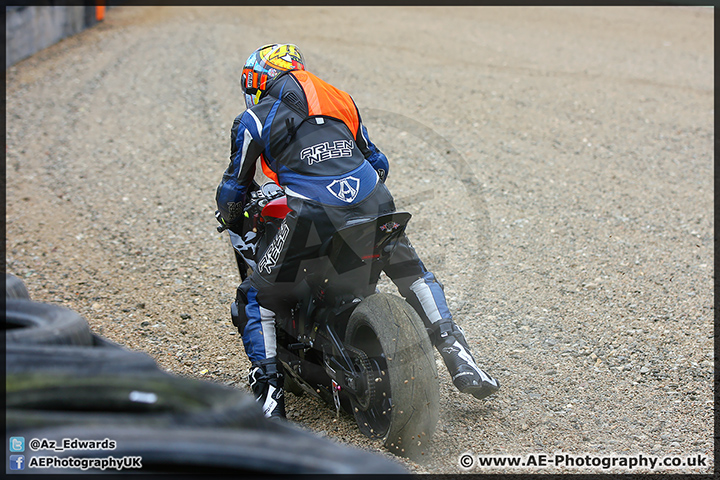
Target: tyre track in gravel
(586, 135)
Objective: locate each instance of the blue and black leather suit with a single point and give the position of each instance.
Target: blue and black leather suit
(310, 139)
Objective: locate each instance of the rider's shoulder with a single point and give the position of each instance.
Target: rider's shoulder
(253, 115)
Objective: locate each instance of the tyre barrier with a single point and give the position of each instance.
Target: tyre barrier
(15, 288)
(280, 449)
(34, 323)
(64, 382)
(102, 358)
(53, 398)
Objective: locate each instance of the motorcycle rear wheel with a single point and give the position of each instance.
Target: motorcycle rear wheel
(403, 410)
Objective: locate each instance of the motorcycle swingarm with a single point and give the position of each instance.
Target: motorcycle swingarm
(339, 366)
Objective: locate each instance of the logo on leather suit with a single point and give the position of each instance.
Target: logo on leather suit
(346, 189)
(235, 209)
(325, 151)
(272, 254)
(389, 227)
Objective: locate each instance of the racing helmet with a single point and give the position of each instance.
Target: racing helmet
(264, 64)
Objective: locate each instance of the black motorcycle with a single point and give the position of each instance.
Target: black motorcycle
(361, 351)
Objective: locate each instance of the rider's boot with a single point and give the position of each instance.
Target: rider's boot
(266, 382)
(467, 376)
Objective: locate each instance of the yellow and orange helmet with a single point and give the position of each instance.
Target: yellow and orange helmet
(266, 63)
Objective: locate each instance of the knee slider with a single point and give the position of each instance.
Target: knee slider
(237, 310)
(238, 316)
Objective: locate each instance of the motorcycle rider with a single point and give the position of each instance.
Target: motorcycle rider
(310, 140)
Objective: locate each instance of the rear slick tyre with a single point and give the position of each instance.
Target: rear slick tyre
(403, 408)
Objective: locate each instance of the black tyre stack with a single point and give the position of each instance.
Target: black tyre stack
(65, 382)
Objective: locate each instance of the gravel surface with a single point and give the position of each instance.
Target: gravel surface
(558, 163)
